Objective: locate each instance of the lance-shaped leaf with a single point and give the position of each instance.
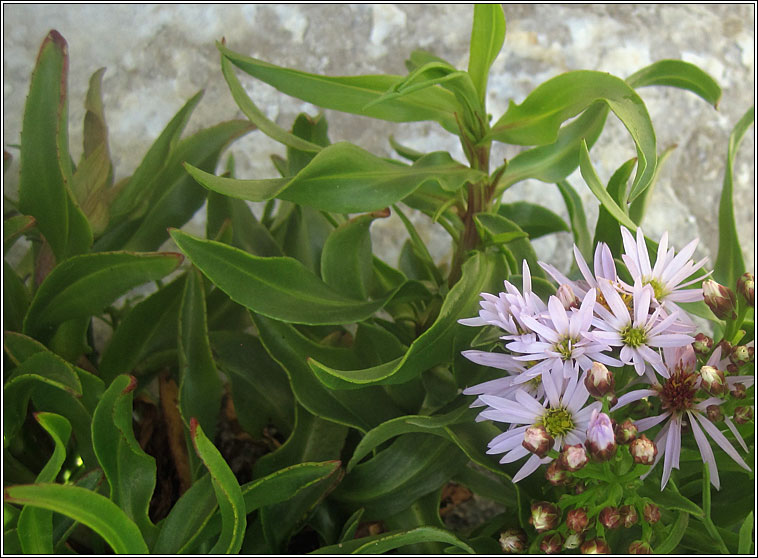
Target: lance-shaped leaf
(352, 93)
(577, 217)
(535, 220)
(281, 288)
(343, 178)
(678, 73)
(228, 493)
(480, 273)
(507, 235)
(487, 36)
(129, 470)
(384, 542)
(14, 227)
(15, 298)
(606, 228)
(537, 120)
(35, 525)
(200, 387)
(87, 507)
(84, 285)
(729, 262)
(45, 181)
(675, 534)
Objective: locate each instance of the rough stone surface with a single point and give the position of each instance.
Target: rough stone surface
(157, 56)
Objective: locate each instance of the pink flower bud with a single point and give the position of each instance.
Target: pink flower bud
(567, 297)
(610, 517)
(746, 288)
(601, 441)
(599, 380)
(720, 299)
(552, 543)
(573, 458)
(513, 541)
(712, 380)
(738, 391)
(577, 520)
(629, 516)
(703, 344)
(640, 547)
(556, 475)
(537, 440)
(651, 513)
(742, 354)
(643, 450)
(743, 414)
(573, 540)
(625, 432)
(714, 413)
(545, 516)
(595, 546)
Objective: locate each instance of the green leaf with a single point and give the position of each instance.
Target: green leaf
(537, 120)
(228, 493)
(639, 205)
(676, 532)
(607, 229)
(280, 288)
(385, 542)
(89, 508)
(187, 519)
(729, 262)
(670, 498)
(577, 217)
(284, 484)
(535, 220)
(505, 233)
(14, 227)
(746, 535)
(131, 473)
(352, 94)
(405, 152)
(35, 525)
(419, 251)
(487, 36)
(45, 165)
(677, 73)
(15, 299)
(84, 285)
(200, 387)
(343, 178)
(247, 233)
(480, 273)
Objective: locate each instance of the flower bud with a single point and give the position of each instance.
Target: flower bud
(556, 475)
(714, 413)
(703, 344)
(577, 520)
(643, 450)
(738, 391)
(743, 414)
(741, 354)
(746, 288)
(567, 297)
(513, 541)
(712, 380)
(601, 441)
(537, 440)
(720, 299)
(629, 516)
(545, 516)
(726, 348)
(599, 380)
(595, 546)
(552, 543)
(573, 458)
(625, 432)
(731, 369)
(579, 487)
(640, 547)
(573, 540)
(610, 517)
(651, 513)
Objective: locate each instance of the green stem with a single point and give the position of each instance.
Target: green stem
(707, 521)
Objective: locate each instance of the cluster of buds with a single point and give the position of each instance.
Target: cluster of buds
(545, 516)
(712, 380)
(595, 546)
(720, 300)
(513, 541)
(746, 288)
(643, 450)
(601, 440)
(640, 547)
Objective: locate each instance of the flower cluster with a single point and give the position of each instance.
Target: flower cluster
(557, 356)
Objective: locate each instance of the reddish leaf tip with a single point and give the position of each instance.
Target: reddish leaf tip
(193, 428)
(131, 386)
(382, 213)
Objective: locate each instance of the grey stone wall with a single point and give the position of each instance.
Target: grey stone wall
(157, 56)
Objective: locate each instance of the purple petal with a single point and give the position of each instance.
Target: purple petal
(635, 395)
(721, 440)
(705, 451)
(529, 467)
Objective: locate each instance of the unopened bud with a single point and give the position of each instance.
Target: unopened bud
(579, 487)
(640, 547)
(746, 288)
(537, 440)
(567, 297)
(732, 369)
(738, 391)
(599, 380)
(595, 546)
(610, 517)
(552, 543)
(742, 354)
(726, 348)
(573, 457)
(556, 475)
(643, 450)
(720, 299)
(712, 380)
(743, 414)
(577, 520)
(625, 432)
(545, 516)
(513, 541)
(600, 441)
(629, 516)
(573, 540)
(651, 513)
(703, 344)
(714, 413)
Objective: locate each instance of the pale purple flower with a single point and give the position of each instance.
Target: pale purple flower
(604, 267)
(563, 415)
(601, 440)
